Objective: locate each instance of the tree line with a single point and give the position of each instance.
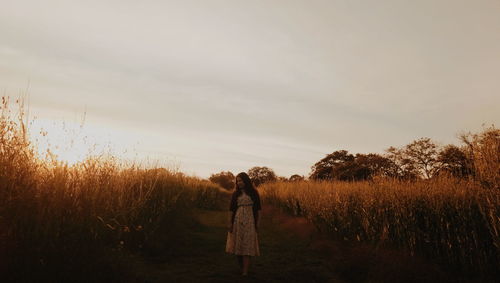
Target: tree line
(477, 157)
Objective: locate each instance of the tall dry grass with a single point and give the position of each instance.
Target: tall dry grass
(453, 221)
(483, 152)
(49, 207)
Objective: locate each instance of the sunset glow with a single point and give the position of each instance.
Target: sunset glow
(72, 142)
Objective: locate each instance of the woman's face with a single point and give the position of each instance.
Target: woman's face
(240, 183)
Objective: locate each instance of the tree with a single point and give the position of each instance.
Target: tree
(401, 166)
(323, 169)
(296, 178)
(261, 175)
(223, 179)
(423, 153)
(417, 159)
(454, 161)
(349, 171)
(340, 165)
(368, 165)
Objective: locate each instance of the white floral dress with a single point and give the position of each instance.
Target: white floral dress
(243, 240)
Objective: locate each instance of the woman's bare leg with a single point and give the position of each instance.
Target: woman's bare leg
(246, 264)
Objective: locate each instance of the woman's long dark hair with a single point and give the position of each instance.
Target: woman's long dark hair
(249, 188)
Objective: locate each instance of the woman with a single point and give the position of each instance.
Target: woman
(243, 221)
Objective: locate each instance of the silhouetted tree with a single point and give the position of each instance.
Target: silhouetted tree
(224, 179)
(295, 178)
(260, 175)
(423, 154)
(350, 171)
(323, 169)
(375, 163)
(401, 166)
(453, 160)
(340, 165)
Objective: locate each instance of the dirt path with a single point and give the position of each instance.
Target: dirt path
(285, 256)
(291, 251)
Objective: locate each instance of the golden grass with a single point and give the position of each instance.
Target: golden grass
(452, 220)
(44, 202)
(483, 150)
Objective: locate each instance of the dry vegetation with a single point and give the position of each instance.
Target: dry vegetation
(48, 207)
(446, 219)
(56, 215)
(452, 220)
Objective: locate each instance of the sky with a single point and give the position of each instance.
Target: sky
(226, 85)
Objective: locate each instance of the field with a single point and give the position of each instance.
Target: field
(447, 220)
(59, 216)
(80, 222)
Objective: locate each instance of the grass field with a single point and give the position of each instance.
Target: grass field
(101, 220)
(60, 217)
(446, 220)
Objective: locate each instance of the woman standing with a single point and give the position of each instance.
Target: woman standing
(243, 220)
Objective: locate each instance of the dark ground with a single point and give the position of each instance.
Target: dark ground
(190, 247)
(285, 257)
(291, 251)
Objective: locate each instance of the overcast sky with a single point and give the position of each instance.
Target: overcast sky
(228, 85)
